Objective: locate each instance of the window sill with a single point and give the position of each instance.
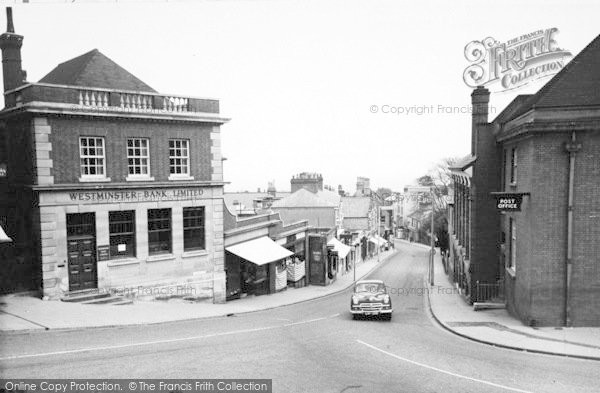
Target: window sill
(181, 177)
(160, 257)
(139, 178)
(194, 253)
(511, 272)
(123, 262)
(91, 179)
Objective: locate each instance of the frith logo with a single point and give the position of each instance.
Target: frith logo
(516, 62)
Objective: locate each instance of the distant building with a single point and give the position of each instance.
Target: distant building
(312, 182)
(245, 204)
(363, 187)
(322, 209)
(309, 201)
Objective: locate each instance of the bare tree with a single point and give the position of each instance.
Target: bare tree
(440, 179)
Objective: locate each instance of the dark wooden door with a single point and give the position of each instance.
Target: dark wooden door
(82, 263)
(233, 277)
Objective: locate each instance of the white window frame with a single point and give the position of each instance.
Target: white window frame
(95, 177)
(180, 176)
(138, 176)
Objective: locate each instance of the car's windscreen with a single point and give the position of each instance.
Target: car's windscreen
(370, 287)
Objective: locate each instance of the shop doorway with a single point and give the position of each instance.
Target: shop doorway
(81, 251)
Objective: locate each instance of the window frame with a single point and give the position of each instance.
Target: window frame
(174, 175)
(82, 157)
(194, 228)
(138, 176)
(132, 245)
(513, 166)
(153, 232)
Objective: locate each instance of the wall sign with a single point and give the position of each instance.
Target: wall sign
(509, 201)
(103, 253)
(137, 196)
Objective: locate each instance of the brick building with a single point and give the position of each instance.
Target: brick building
(111, 185)
(542, 153)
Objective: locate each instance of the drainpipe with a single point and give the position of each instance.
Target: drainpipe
(572, 148)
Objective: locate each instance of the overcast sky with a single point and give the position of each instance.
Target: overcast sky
(299, 78)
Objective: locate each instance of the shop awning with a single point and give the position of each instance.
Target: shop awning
(340, 247)
(3, 237)
(260, 251)
(377, 240)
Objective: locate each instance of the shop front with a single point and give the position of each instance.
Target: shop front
(295, 265)
(323, 260)
(342, 256)
(256, 267)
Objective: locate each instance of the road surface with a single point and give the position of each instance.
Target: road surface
(313, 346)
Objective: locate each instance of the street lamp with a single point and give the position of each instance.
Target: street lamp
(378, 227)
(432, 243)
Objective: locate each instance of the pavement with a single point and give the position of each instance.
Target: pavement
(27, 313)
(497, 327)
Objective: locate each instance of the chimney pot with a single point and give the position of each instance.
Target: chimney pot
(10, 28)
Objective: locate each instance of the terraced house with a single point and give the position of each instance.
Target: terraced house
(111, 185)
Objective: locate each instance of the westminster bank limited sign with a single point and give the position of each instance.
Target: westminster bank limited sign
(514, 63)
(136, 196)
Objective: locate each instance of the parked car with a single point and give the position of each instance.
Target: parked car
(370, 297)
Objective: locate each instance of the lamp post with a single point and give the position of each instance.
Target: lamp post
(378, 227)
(431, 241)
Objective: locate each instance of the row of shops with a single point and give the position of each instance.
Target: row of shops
(264, 256)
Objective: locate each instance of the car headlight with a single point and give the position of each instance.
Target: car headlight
(386, 299)
(354, 300)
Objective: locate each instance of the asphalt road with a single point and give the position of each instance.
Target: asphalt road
(313, 346)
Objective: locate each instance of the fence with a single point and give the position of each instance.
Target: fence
(486, 292)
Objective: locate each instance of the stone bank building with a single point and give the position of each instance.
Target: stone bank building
(109, 184)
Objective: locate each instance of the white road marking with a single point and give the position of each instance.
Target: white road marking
(173, 340)
(443, 371)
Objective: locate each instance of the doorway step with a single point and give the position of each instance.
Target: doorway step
(94, 296)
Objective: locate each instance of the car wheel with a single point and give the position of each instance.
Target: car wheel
(354, 317)
(388, 317)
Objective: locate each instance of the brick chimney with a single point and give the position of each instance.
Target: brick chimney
(10, 44)
(480, 99)
(312, 182)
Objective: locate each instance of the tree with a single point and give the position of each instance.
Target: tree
(440, 179)
(384, 192)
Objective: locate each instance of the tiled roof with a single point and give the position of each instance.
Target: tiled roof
(305, 198)
(515, 106)
(355, 206)
(93, 69)
(577, 84)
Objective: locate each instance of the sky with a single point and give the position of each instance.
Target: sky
(310, 86)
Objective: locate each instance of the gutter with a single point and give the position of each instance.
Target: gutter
(572, 148)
